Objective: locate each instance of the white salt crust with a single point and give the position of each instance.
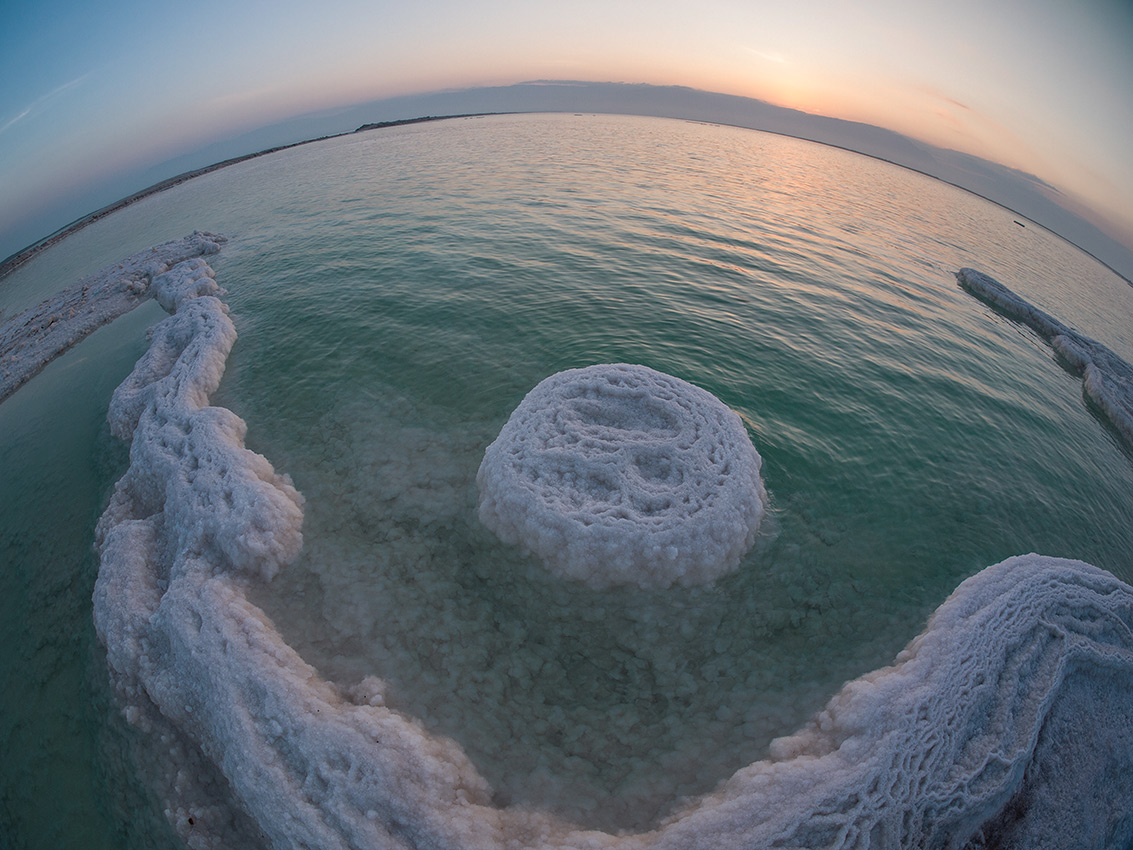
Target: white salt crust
(1107, 380)
(32, 339)
(619, 474)
(1005, 723)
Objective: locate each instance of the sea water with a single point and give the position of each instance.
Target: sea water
(396, 295)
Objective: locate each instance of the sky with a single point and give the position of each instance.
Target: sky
(92, 93)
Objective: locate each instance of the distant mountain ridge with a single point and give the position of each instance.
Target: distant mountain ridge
(1020, 192)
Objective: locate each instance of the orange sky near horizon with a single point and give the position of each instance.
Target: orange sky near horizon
(1038, 85)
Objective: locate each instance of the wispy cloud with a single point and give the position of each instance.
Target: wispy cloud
(40, 102)
(777, 58)
(17, 119)
(942, 97)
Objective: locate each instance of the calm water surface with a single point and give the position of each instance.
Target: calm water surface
(398, 292)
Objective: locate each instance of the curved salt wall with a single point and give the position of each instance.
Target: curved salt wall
(32, 339)
(1106, 378)
(1005, 724)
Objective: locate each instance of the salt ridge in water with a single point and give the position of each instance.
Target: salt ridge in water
(1004, 724)
(32, 339)
(1106, 378)
(618, 474)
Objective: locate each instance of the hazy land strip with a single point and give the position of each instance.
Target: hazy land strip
(20, 257)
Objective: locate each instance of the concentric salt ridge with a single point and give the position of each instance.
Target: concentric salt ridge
(619, 474)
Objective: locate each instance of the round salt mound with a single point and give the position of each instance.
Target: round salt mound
(618, 474)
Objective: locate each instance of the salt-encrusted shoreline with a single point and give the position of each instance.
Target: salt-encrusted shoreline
(983, 732)
(32, 339)
(1107, 380)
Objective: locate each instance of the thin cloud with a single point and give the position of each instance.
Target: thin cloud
(769, 57)
(41, 102)
(20, 117)
(939, 95)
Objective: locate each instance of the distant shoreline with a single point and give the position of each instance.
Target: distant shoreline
(17, 259)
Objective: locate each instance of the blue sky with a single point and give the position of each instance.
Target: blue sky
(94, 93)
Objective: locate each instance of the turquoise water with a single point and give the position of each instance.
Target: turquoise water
(398, 292)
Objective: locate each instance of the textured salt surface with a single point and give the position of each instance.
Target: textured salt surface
(1106, 379)
(1005, 723)
(32, 339)
(618, 474)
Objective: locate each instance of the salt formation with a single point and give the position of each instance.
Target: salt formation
(32, 339)
(618, 474)
(1106, 378)
(1004, 724)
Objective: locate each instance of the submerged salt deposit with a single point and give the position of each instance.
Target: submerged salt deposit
(619, 474)
(983, 732)
(1106, 379)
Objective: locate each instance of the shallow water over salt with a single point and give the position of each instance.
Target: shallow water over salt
(396, 294)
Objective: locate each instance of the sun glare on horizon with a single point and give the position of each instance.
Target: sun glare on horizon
(1041, 88)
